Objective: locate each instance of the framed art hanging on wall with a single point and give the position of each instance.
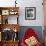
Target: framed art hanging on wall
(30, 13)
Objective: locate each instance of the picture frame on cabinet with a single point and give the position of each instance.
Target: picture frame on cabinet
(30, 13)
(5, 12)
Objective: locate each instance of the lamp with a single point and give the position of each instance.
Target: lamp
(15, 37)
(15, 3)
(15, 30)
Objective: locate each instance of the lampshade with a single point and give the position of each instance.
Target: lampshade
(15, 30)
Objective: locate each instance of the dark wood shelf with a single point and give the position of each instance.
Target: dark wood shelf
(9, 43)
(9, 8)
(11, 26)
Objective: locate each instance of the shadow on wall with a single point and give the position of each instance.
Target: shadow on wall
(37, 29)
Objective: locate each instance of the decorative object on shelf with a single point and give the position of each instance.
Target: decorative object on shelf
(15, 30)
(15, 37)
(30, 13)
(7, 34)
(6, 21)
(13, 12)
(15, 3)
(5, 12)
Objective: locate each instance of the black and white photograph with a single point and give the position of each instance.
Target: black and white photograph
(30, 13)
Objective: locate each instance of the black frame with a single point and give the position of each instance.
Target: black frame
(27, 11)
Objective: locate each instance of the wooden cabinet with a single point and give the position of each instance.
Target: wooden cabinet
(7, 26)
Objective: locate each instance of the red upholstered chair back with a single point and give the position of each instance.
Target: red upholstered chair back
(29, 33)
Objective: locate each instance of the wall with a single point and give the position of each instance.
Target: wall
(27, 3)
(39, 12)
(39, 15)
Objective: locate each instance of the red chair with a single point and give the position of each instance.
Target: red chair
(29, 33)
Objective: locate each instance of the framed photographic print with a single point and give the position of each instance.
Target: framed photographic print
(30, 13)
(5, 12)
